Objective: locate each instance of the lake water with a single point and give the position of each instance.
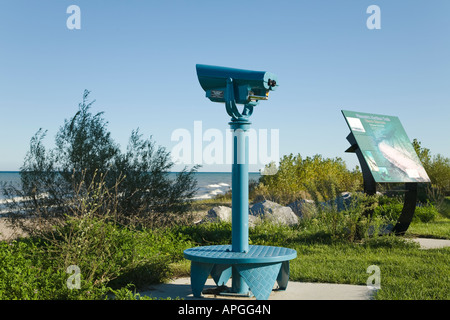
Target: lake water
(209, 184)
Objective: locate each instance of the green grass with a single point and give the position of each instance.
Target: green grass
(438, 229)
(407, 272)
(35, 269)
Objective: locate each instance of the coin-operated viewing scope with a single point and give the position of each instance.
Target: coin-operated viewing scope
(253, 269)
(248, 87)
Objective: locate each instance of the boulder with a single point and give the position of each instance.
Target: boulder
(303, 208)
(274, 212)
(223, 213)
(220, 213)
(343, 201)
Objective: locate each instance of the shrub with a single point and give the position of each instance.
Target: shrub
(85, 153)
(393, 209)
(348, 220)
(437, 167)
(425, 213)
(295, 176)
(107, 254)
(29, 271)
(37, 270)
(103, 247)
(206, 233)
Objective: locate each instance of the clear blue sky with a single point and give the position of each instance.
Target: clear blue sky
(138, 60)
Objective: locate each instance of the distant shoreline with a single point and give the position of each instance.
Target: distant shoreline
(253, 172)
(209, 184)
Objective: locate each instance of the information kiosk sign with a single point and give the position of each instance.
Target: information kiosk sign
(386, 148)
(386, 155)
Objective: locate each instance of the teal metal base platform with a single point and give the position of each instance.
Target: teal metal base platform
(255, 270)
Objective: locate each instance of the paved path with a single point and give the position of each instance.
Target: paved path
(426, 243)
(295, 291)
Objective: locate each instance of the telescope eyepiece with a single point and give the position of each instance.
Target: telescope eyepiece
(249, 85)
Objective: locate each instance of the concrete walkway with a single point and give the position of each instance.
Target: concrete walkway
(427, 243)
(181, 288)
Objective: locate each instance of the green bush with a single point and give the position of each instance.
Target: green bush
(106, 253)
(355, 222)
(205, 233)
(20, 278)
(85, 153)
(437, 167)
(30, 272)
(392, 210)
(104, 249)
(445, 207)
(295, 176)
(110, 258)
(425, 213)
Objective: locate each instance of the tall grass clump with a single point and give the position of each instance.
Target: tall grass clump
(344, 219)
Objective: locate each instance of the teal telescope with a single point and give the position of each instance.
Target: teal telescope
(236, 86)
(253, 269)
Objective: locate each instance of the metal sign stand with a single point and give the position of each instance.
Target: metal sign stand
(370, 188)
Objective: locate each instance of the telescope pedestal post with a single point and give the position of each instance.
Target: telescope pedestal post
(239, 198)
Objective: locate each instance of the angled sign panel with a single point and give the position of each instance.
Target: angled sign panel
(386, 147)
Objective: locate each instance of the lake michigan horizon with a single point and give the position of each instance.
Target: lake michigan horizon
(209, 184)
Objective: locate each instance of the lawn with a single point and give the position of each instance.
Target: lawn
(437, 229)
(407, 272)
(113, 257)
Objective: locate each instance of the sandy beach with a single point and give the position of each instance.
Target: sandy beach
(6, 232)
